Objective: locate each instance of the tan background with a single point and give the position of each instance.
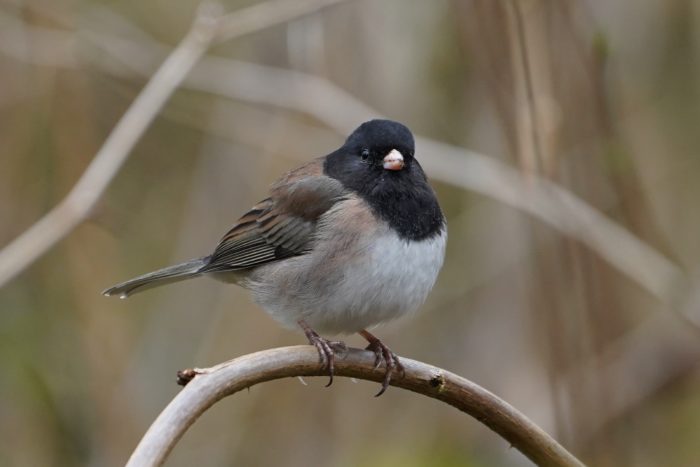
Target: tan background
(519, 308)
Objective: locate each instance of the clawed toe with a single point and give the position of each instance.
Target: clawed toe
(326, 354)
(326, 349)
(382, 353)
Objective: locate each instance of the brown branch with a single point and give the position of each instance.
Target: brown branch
(213, 384)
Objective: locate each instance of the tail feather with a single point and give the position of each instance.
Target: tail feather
(177, 273)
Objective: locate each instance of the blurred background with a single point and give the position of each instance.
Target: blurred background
(601, 97)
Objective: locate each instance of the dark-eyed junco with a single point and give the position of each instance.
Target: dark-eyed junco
(342, 243)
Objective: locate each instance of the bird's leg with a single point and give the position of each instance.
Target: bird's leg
(326, 348)
(382, 353)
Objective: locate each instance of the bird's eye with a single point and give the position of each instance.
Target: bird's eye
(365, 154)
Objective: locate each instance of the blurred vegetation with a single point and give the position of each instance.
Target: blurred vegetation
(531, 315)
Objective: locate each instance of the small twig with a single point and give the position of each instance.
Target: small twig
(213, 384)
(209, 27)
(264, 15)
(318, 97)
(76, 206)
(315, 96)
(529, 83)
(537, 196)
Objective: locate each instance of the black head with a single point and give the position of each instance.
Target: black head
(377, 162)
(379, 137)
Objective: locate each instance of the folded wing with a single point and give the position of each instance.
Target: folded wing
(280, 226)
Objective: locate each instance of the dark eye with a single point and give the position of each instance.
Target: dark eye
(365, 154)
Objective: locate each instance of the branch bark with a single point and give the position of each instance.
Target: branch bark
(213, 384)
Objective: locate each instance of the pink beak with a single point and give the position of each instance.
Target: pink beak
(393, 160)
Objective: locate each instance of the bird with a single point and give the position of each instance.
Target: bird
(341, 244)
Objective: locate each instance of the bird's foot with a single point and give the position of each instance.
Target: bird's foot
(382, 353)
(326, 349)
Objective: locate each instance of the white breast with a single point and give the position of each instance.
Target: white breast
(400, 276)
(351, 281)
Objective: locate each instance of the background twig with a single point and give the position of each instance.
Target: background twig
(62, 219)
(301, 92)
(213, 384)
(585, 349)
(208, 28)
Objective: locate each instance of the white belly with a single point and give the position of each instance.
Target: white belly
(351, 281)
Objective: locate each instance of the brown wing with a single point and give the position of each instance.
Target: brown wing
(280, 226)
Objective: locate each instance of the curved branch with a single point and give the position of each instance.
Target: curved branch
(213, 384)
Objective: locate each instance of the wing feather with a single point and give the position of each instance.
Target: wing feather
(280, 226)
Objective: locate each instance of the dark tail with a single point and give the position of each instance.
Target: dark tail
(177, 273)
